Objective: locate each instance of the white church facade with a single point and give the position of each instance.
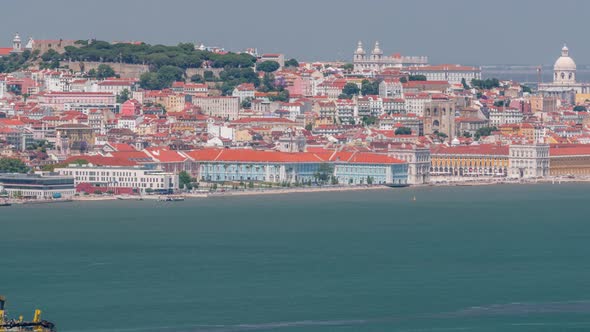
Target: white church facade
(376, 61)
(564, 85)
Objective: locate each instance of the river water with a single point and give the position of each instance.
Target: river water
(491, 258)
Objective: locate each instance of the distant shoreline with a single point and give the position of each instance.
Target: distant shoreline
(297, 190)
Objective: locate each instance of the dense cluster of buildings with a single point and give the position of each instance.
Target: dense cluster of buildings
(395, 129)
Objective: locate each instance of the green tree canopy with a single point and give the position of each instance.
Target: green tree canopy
(403, 131)
(123, 96)
(184, 180)
(161, 79)
(197, 78)
(291, 63)
(208, 76)
(268, 66)
(350, 89)
(104, 71)
(417, 78)
(12, 165)
(485, 131)
(370, 88)
(50, 55)
(464, 83)
(169, 74)
(487, 84)
(369, 120)
(150, 81)
(579, 108)
(324, 172)
(347, 66)
(526, 89)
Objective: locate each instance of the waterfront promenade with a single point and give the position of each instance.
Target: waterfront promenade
(435, 182)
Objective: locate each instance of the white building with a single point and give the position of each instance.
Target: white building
(142, 179)
(418, 159)
(450, 73)
(222, 107)
(130, 122)
(2, 87)
(220, 130)
(244, 91)
(377, 61)
(114, 86)
(499, 116)
(391, 89)
(415, 102)
(564, 83)
(58, 82)
(528, 161)
(37, 186)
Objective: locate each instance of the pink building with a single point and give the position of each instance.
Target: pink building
(59, 100)
(130, 107)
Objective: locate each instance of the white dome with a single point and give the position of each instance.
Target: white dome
(359, 48)
(377, 49)
(564, 62)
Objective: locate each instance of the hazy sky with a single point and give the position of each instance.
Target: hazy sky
(451, 31)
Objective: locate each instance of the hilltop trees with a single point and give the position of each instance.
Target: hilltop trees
(104, 71)
(486, 84)
(233, 77)
(292, 63)
(268, 66)
(161, 79)
(184, 55)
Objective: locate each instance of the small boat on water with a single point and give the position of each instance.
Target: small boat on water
(19, 325)
(129, 198)
(397, 185)
(5, 204)
(171, 199)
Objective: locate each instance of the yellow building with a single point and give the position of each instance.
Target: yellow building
(487, 160)
(243, 135)
(543, 103)
(73, 136)
(174, 103)
(509, 129)
(569, 160)
(582, 98)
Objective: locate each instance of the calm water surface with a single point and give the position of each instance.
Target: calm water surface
(496, 258)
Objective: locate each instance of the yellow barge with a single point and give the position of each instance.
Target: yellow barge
(19, 325)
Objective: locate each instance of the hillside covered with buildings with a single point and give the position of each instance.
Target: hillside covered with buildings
(128, 117)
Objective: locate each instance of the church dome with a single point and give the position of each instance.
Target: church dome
(564, 62)
(377, 49)
(359, 48)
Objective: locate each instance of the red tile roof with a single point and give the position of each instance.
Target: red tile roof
(569, 149)
(482, 149)
(245, 155)
(165, 155)
(5, 50)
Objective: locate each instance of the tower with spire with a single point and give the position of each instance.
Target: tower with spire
(17, 46)
(359, 54)
(377, 53)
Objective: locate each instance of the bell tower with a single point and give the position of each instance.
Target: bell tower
(17, 46)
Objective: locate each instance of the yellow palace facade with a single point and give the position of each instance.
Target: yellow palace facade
(487, 160)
